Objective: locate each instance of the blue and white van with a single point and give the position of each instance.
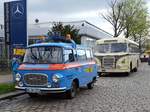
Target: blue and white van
(56, 68)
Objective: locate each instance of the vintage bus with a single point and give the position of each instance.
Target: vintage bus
(56, 68)
(117, 55)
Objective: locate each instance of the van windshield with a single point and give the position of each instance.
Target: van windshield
(43, 55)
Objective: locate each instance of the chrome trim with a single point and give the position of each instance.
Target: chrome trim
(108, 66)
(35, 73)
(44, 89)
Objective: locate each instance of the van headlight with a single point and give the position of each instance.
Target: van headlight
(18, 77)
(56, 78)
(20, 84)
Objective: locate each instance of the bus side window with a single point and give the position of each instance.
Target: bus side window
(68, 55)
(133, 48)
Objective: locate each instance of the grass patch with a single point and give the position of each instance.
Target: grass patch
(6, 88)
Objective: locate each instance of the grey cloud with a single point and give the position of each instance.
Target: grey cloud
(59, 8)
(65, 6)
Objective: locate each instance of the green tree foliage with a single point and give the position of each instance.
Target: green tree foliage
(65, 29)
(135, 21)
(130, 17)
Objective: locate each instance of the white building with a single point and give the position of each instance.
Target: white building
(89, 32)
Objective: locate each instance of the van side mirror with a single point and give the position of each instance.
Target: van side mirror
(15, 64)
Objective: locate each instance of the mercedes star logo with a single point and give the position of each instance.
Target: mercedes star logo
(18, 10)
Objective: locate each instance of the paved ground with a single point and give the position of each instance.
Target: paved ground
(5, 78)
(111, 94)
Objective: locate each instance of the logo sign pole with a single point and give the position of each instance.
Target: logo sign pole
(7, 28)
(15, 25)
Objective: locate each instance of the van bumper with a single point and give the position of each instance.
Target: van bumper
(42, 90)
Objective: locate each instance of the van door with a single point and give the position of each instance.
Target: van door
(82, 60)
(90, 67)
(74, 70)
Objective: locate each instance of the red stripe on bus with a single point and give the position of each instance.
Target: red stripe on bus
(57, 66)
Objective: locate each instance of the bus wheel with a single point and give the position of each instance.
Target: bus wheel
(32, 95)
(131, 70)
(126, 73)
(135, 69)
(72, 92)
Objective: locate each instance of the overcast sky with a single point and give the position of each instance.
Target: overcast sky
(67, 10)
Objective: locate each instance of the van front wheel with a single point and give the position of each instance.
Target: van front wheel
(33, 95)
(72, 92)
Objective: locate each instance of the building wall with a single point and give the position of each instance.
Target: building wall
(89, 33)
(87, 41)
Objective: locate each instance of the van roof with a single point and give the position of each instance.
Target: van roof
(64, 45)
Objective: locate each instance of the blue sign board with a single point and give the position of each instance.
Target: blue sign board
(15, 24)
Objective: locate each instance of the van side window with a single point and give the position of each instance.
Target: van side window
(88, 54)
(68, 55)
(81, 55)
(91, 54)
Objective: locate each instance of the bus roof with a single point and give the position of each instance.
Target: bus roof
(115, 40)
(60, 44)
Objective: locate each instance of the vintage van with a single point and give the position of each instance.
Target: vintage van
(56, 68)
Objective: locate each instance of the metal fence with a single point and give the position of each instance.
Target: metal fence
(4, 62)
(1, 47)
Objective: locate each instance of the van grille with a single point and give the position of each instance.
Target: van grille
(36, 79)
(108, 62)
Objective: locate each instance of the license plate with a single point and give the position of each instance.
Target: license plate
(33, 90)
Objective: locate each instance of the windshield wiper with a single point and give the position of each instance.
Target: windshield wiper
(33, 56)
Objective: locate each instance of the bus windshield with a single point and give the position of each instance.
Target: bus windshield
(112, 48)
(118, 47)
(43, 55)
(103, 48)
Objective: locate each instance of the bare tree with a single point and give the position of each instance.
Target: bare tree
(115, 17)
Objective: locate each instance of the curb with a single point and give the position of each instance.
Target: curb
(11, 95)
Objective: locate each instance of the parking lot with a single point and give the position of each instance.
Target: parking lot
(110, 94)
